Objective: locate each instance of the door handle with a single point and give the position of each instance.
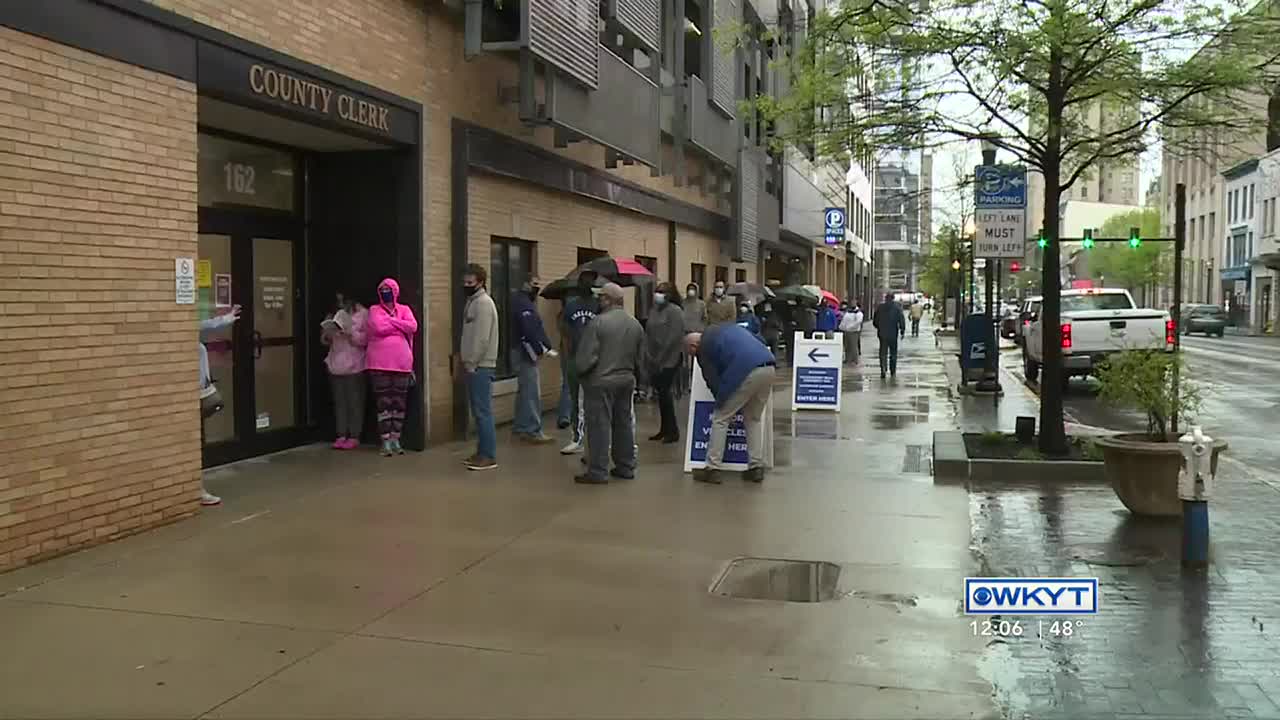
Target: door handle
(257, 345)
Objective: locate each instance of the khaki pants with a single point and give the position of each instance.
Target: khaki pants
(750, 398)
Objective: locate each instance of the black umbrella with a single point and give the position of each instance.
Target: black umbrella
(623, 271)
(799, 294)
(753, 293)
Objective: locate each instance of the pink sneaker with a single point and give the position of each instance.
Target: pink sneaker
(351, 444)
(340, 444)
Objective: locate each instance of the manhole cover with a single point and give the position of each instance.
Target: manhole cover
(1113, 556)
(786, 580)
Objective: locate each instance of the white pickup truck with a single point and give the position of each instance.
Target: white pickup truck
(1095, 323)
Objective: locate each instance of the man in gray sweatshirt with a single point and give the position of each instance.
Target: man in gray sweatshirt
(608, 358)
(477, 360)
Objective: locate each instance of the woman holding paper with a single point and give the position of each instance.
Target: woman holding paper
(389, 359)
(344, 331)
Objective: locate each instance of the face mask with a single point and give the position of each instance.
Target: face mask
(692, 293)
(743, 311)
(659, 298)
(386, 295)
(719, 292)
(767, 308)
(470, 289)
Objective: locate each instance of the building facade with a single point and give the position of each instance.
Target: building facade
(164, 160)
(900, 223)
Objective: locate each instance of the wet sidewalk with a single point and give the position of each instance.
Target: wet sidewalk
(356, 586)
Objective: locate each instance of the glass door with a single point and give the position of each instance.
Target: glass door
(274, 360)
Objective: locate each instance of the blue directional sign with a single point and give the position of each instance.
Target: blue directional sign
(999, 186)
(833, 220)
(816, 373)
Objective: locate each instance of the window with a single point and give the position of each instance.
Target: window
(236, 174)
(698, 276)
(1213, 224)
(1250, 202)
(722, 274)
(510, 262)
(740, 275)
(586, 255)
(1102, 301)
(1084, 192)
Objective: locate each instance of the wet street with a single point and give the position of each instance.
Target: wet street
(1165, 643)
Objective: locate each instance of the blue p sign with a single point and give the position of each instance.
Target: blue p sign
(833, 219)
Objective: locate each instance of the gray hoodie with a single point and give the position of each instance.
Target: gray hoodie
(610, 350)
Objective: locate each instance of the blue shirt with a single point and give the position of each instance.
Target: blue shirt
(827, 320)
(750, 322)
(727, 355)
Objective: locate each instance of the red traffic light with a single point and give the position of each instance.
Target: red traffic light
(1015, 266)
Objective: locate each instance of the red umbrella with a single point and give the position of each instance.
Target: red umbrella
(831, 298)
(623, 271)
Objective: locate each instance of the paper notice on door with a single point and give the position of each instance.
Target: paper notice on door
(222, 290)
(263, 421)
(204, 273)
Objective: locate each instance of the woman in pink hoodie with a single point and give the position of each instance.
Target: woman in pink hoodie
(389, 358)
(345, 334)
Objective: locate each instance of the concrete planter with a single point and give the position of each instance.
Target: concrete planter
(1144, 473)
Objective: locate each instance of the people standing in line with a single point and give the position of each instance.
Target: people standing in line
(890, 325)
(721, 308)
(825, 320)
(389, 358)
(739, 371)
(770, 327)
(210, 399)
(579, 310)
(529, 343)
(807, 318)
(851, 332)
(695, 320)
(664, 336)
(344, 331)
(917, 312)
(477, 361)
(608, 360)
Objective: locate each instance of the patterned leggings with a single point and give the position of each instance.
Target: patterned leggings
(390, 393)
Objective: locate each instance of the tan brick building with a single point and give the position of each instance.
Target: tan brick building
(163, 160)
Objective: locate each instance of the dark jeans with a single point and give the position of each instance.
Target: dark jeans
(610, 428)
(348, 404)
(915, 327)
(889, 351)
(663, 382)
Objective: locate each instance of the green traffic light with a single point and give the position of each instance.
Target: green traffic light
(1042, 241)
(1135, 238)
(1088, 238)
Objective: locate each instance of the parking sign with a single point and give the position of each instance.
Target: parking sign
(833, 219)
(1000, 211)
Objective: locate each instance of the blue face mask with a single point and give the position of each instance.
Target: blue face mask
(386, 295)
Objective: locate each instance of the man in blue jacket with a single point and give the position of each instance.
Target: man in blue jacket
(579, 310)
(529, 343)
(739, 371)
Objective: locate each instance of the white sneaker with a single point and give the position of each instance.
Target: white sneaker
(573, 448)
(209, 498)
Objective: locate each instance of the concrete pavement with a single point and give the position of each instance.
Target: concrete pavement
(348, 585)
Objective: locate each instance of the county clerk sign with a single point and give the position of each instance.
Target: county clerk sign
(1000, 211)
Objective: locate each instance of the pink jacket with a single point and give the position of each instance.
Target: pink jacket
(391, 331)
(346, 350)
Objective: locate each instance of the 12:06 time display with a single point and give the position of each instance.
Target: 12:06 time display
(996, 628)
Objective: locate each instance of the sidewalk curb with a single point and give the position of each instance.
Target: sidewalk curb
(951, 461)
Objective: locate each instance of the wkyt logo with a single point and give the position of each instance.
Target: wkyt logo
(1030, 596)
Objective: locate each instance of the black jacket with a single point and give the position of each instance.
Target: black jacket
(889, 320)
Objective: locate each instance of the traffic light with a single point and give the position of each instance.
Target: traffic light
(1042, 241)
(1135, 237)
(1088, 238)
(1015, 266)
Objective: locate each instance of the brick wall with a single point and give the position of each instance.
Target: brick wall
(99, 427)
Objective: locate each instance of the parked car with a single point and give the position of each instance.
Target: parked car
(1207, 319)
(1097, 322)
(1026, 315)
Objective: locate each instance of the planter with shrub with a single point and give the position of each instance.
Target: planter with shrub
(1143, 468)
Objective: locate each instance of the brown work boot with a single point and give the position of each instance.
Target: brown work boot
(706, 475)
(755, 475)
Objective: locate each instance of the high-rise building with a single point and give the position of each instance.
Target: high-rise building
(902, 208)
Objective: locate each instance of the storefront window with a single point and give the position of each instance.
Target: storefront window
(238, 174)
(510, 262)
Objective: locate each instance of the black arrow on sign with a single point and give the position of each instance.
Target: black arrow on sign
(814, 355)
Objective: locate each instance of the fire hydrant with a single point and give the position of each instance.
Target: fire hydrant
(1194, 483)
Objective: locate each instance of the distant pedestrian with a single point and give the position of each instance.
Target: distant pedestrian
(389, 357)
(664, 336)
(770, 327)
(529, 344)
(477, 361)
(580, 309)
(344, 331)
(694, 309)
(890, 325)
(721, 308)
(917, 312)
(211, 402)
(851, 331)
(739, 372)
(825, 320)
(608, 359)
(747, 319)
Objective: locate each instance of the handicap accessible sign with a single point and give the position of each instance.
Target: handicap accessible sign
(815, 376)
(701, 405)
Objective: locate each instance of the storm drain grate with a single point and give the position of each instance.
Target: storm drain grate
(915, 459)
(804, 581)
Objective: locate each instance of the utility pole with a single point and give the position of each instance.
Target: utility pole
(1179, 246)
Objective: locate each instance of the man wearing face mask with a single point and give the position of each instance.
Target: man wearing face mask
(477, 361)
(721, 309)
(664, 337)
(608, 361)
(529, 343)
